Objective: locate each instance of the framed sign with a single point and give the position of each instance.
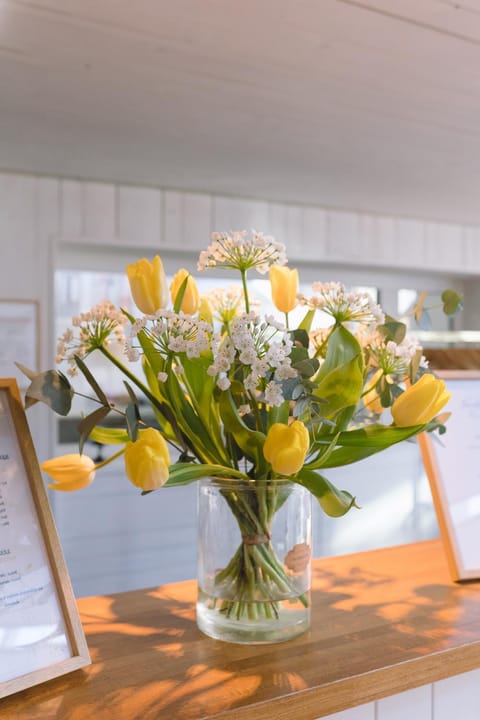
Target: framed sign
(19, 337)
(41, 636)
(453, 469)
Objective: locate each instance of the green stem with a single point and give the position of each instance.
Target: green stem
(245, 290)
(110, 459)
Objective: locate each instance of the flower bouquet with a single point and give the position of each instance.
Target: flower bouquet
(263, 408)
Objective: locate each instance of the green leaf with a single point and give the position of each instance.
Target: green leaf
(340, 379)
(88, 423)
(333, 502)
(306, 323)
(250, 441)
(109, 436)
(132, 417)
(452, 302)
(50, 387)
(354, 445)
(185, 473)
(393, 330)
(180, 294)
(300, 337)
(91, 380)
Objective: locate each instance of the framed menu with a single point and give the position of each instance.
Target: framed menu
(453, 469)
(41, 636)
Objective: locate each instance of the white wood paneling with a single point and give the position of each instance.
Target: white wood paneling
(458, 694)
(471, 256)
(343, 236)
(100, 214)
(415, 704)
(72, 210)
(188, 220)
(410, 243)
(376, 237)
(285, 224)
(238, 214)
(361, 712)
(139, 217)
(312, 243)
(444, 246)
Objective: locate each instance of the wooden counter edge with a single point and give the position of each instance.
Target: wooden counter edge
(314, 703)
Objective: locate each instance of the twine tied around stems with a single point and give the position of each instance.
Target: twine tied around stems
(255, 539)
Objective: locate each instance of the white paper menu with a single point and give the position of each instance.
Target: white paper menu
(32, 626)
(458, 458)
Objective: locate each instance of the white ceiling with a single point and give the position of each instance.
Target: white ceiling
(363, 104)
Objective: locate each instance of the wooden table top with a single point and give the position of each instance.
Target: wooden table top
(383, 622)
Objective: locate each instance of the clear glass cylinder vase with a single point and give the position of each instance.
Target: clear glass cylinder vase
(254, 560)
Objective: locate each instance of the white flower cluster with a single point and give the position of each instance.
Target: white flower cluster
(334, 300)
(239, 252)
(225, 303)
(394, 358)
(98, 326)
(172, 333)
(263, 348)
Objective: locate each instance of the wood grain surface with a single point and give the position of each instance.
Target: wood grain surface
(383, 622)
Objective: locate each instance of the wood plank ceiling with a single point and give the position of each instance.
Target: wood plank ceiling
(364, 104)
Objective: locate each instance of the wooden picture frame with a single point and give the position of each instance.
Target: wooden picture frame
(19, 337)
(41, 636)
(452, 466)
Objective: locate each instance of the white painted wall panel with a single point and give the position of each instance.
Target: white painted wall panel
(471, 257)
(458, 694)
(376, 236)
(285, 224)
(413, 704)
(361, 712)
(139, 217)
(312, 244)
(100, 209)
(188, 220)
(343, 236)
(237, 214)
(444, 246)
(410, 242)
(197, 221)
(72, 210)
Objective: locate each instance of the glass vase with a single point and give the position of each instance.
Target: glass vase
(254, 560)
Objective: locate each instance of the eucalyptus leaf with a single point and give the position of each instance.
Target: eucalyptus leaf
(393, 330)
(300, 337)
(50, 387)
(132, 417)
(452, 302)
(88, 423)
(91, 380)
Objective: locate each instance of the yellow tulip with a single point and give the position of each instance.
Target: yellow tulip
(70, 472)
(148, 285)
(371, 399)
(421, 402)
(284, 284)
(286, 446)
(147, 460)
(205, 311)
(191, 298)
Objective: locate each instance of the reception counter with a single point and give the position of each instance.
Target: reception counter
(384, 622)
